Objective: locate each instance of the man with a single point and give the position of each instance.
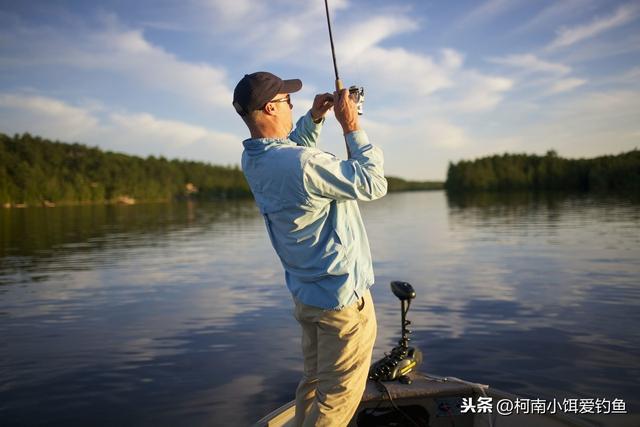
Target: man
(309, 202)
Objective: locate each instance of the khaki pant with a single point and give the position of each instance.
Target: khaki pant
(336, 347)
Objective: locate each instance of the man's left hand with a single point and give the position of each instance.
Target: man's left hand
(321, 104)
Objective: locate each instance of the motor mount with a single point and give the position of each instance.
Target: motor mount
(402, 359)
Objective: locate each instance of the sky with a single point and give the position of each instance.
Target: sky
(444, 80)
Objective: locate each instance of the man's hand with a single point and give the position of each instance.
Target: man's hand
(321, 104)
(346, 111)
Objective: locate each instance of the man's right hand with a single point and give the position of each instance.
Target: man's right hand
(346, 111)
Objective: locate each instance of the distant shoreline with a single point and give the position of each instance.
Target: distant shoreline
(515, 172)
(39, 172)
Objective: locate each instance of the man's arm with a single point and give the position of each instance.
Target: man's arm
(361, 177)
(307, 130)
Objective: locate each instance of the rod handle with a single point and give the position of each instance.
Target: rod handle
(339, 86)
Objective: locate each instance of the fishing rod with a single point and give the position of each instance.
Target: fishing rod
(356, 93)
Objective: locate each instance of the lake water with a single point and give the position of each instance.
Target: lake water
(176, 314)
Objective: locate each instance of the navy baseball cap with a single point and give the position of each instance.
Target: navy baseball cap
(253, 91)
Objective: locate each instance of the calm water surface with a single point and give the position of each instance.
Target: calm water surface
(176, 314)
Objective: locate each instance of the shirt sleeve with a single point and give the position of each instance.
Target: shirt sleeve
(361, 177)
(306, 132)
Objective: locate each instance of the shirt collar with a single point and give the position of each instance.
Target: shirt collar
(261, 144)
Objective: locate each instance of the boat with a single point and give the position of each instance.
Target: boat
(398, 394)
(431, 401)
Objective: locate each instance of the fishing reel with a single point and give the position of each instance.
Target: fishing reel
(402, 359)
(357, 94)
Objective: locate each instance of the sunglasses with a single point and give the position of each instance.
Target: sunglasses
(286, 99)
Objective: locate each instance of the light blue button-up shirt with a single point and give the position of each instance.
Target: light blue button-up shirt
(309, 202)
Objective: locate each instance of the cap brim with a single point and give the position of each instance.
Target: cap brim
(291, 86)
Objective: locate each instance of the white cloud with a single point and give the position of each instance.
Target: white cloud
(443, 133)
(585, 125)
(231, 11)
(451, 59)
(600, 50)
(565, 85)
(631, 76)
(419, 147)
(144, 134)
(531, 63)
(568, 36)
(270, 31)
(554, 80)
(553, 13)
(414, 76)
(138, 133)
(144, 124)
(396, 70)
(122, 51)
(258, 16)
(368, 33)
(131, 54)
(623, 103)
(429, 129)
(478, 92)
(486, 11)
(45, 116)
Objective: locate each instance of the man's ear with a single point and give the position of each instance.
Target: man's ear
(270, 109)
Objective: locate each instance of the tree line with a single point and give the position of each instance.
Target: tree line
(399, 184)
(549, 172)
(36, 171)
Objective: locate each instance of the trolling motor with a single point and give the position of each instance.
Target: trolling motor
(356, 93)
(402, 359)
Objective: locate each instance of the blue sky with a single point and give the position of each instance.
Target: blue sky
(444, 80)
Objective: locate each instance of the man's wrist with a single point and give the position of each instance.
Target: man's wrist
(350, 128)
(355, 140)
(314, 119)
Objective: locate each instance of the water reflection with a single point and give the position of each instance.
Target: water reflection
(528, 293)
(176, 314)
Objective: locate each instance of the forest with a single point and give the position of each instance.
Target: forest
(508, 172)
(36, 171)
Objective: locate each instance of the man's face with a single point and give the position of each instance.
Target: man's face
(283, 106)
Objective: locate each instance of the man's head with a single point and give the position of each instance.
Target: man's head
(262, 99)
